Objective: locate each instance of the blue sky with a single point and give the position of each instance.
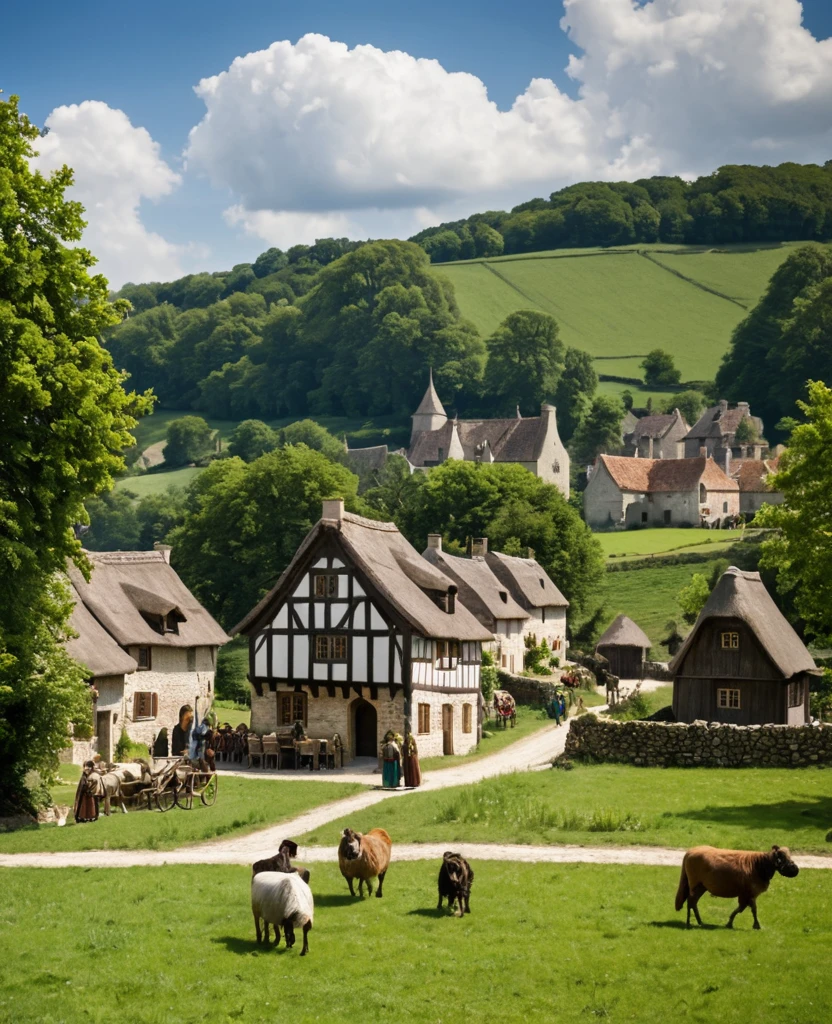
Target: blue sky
(145, 60)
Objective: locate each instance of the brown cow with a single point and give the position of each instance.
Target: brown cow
(731, 874)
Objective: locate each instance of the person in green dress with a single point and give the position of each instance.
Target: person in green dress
(391, 753)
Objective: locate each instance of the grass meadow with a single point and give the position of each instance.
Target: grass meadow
(571, 943)
(243, 805)
(620, 304)
(747, 809)
(664, 540)
(157, 483)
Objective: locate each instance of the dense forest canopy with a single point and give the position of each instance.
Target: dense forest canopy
(734, 204)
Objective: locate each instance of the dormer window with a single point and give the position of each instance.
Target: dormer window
(504, 597)
(447, 654)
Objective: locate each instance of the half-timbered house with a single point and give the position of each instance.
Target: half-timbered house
(742, 662)
(359, 634)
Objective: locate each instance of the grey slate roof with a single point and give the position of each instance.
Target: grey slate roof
(396, 570)
(716, 421)
(94, 647)
(743, 595)
(526, 581)
(509, 440)
(623, 632)
(479, 589)
(124, 584)
(366, 460)
(652, 426)
(430, 402)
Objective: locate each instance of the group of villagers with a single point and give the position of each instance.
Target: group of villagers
(400, 760)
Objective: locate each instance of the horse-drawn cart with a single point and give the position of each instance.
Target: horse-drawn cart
(175, 782)
(505, 708)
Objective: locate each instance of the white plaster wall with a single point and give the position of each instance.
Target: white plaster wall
(553, 629)
(604, 505)
(553, 464)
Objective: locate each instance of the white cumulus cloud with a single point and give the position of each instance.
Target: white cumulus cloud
(116, 166)
(317, 138)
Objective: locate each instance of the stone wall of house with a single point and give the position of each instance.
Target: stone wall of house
(703, 744)
(431, 744)
(604, 502)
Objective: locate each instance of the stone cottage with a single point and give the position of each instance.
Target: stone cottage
(533, 589)
(148, 644)
(656, 437)
(624, 492)
(753, 475)
(360, 634)
(714, 432)
(529, 441)
(487, 598)
(742, 662)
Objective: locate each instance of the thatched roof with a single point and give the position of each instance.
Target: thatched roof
(742, 595)
(94, 647)
(623, 632)
(526, 580)
(368, 460)
(400, 575)
(125, 584)
(479, 589)
(652, 476)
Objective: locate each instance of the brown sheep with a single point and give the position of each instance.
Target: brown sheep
(731, 874)
(455, 879)
(364, 857)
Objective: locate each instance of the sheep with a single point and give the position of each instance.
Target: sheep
(730, 873)
(455, 879)
(364, 857)
(281, 861)
(284, 901)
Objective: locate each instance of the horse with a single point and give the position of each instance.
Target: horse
(505, 708)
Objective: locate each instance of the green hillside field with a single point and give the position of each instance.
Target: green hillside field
(618, 304)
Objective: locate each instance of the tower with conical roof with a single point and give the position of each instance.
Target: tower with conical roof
(430, 415)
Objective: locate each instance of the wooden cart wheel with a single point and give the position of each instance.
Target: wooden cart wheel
(208, 795)
(185, 794)
(165, 799)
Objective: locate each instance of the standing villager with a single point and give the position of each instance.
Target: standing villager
(554, 708)
(85, 807)
(562, 702)
(391, 754)
(412, 769)
(161, 746)
(181, 739)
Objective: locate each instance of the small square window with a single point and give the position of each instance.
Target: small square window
(145, 705)
(292, 708)
(144, 658)
(729, 699)
(331, 647)
(730, 641)
(326, 585)
(424, 719)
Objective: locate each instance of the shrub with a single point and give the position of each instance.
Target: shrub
(820, 701)
(488, 677)
(126, 749)
(635, 705)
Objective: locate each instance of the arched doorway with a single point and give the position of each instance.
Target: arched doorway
(365, 730)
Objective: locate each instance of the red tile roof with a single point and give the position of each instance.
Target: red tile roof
(647, 476)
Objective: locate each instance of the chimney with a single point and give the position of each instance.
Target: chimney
(650, 447)
(479, 546)
(165, 549)
(727, 461)
(744, 408)
(723, 408)
(703, 452)
(435, 541)
(333, 509)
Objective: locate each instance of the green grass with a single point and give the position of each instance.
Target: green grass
(157, 483)
(571, 943)
(747, 808)
(661, 540)
(648, 597)
(529, 720)
(621, 304)
(243, 805)
(233, 715)
(661, 697)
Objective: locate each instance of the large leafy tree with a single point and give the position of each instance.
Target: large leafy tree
(801, 553)
(525, 361)
(515, 510)
(64, 421)
(243, 523)
(599, 432)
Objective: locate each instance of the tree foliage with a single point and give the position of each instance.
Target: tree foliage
(689, 403)
(660, 369)
(801, 553)
(599, 432)
(525, 361)
(187, 439)
(64, 419)
(251, 439)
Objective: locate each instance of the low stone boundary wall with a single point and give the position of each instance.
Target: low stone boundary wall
(675, 744)
(527, 689)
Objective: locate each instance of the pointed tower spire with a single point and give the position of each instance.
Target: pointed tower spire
(519, 417)
(431, 414)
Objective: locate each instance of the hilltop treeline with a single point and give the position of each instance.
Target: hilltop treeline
(309, 333)
(737, 203)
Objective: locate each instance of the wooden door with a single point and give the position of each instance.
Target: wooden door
(103, 734)
(447, 729)
(366, 739)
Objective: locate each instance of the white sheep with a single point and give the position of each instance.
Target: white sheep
(284, 901)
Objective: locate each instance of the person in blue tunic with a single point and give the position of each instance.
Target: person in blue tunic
(391, 753)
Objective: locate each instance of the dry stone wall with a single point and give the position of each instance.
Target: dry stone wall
(703, 744)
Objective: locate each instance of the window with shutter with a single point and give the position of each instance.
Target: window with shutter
(145, 705)
(424, 719)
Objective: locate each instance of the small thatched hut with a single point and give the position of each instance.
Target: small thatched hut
(742, 662)
(624, 645)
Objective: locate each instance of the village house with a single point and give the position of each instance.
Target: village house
(487, 598)
(148, 644)
(714, 435)
(529, 441)
(752, 476)
(624, 492)
(742, 662)
(534, 591)
(361, 633)
(625, 646)
(656, 437)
